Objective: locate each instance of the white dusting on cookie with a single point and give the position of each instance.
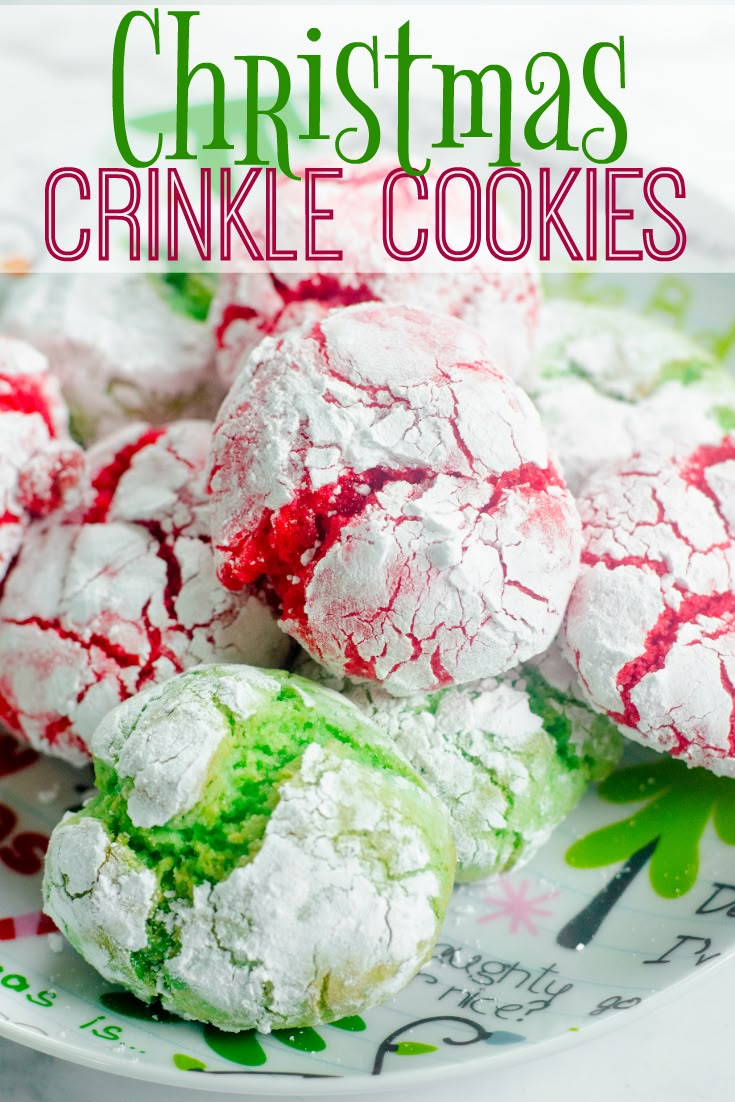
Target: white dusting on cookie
(119, 349)
(331, 906)
(164, 743)
(485, 754)
(40, 467)
(608, 383)
(356, 873)
(501, 301)
(396, 493)
(126, 596)
(101, 896)
(651, 622)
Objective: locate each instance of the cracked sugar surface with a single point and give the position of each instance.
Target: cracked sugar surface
(128, 595)
(651, 622)
(507, 756)
(392, 493)
(113, 370)
(502, 302)
(299, 797)
(608, 383)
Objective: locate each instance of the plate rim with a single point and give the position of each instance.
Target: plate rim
(285, 1084)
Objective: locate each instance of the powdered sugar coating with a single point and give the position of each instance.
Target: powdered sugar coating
(508, 757)
(40, 467)
(360, 851)
(500, 300)
(395, 492)
(93, 884)
(650, 625)
(121, 593)
(119, 350)
(609, 383)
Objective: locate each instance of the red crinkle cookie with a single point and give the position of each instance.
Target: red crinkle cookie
(120, 593)
(502, 301)
(40, 466)
(651, 623)
(391, 493)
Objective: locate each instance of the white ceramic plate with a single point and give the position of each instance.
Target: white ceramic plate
(534, 959)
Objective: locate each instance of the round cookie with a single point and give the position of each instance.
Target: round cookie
(608, 383)
(500, 300)
(509, 757)
(121, 592)
(651, 622)
(40, 467)
(119, 347)
(392, 492)
(257, 857)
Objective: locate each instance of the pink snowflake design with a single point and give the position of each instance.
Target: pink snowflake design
(516, 905)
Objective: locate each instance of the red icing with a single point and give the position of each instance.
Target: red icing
(165, 552)
(325, 289)
(662, 637)
(42, 495)
(106, 482)
(25, 394)
(270, 558)
(232, 312)
(638, 561)
(109, 649)
(9, 717)
(530, 480)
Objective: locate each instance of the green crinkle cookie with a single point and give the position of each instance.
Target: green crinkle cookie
(508, 756)
(258, 855)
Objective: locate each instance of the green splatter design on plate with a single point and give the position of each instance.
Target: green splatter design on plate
(413, 1048)
(188, 1063)
(353, 1024)
(678, 804)
(125, 1004)
(304, 1040)
(239, 1048)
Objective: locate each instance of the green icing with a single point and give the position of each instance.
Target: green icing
(226, 826)
(687, 372)
(239, 1048)
(598, 752)
(187, 293)
(725, 417)
(572, 746)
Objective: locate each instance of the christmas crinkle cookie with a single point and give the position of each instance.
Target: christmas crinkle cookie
(391, 494)
(40, 466)
(120, 593)
(651, 622)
